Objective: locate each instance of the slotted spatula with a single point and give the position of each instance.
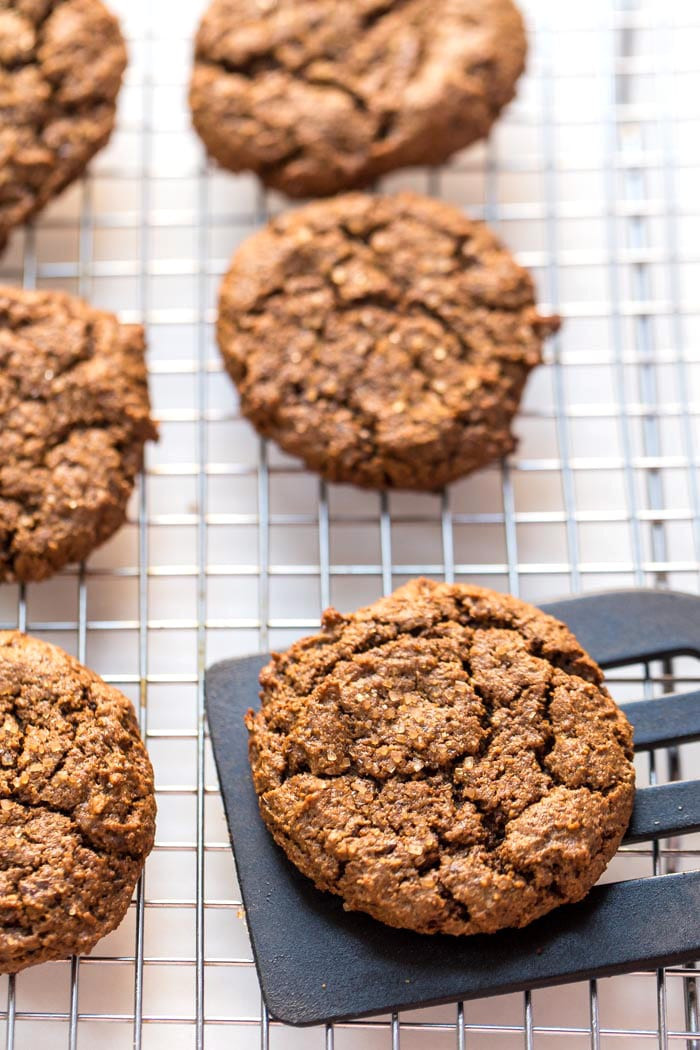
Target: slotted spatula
(318, 964)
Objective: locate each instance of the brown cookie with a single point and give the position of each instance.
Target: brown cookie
(77, 806)
(446, 759)
(61, 65)
(74, 416)
(318, 96)
(384, 340)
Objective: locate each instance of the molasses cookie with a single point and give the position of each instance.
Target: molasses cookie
(384, 340)
(318, 96)
(61, 65)
(77, 807)
(446, 759)
(74, 416)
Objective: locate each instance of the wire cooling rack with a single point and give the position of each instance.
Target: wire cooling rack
(592, 178)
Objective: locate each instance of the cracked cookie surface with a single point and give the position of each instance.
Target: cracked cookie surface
(318, 96)
(385, 341)
(61, 65)
(74, 416)
(77, 804)
(446, 759)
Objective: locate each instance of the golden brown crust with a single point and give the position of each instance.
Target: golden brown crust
(318, 96)
(384, 340)
(74, 417)
(446, 760)
(77, 804)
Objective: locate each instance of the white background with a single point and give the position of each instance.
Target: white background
(592, 178)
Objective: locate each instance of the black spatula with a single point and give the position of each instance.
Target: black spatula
(317, 963)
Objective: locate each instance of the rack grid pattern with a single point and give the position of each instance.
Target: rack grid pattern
(592, 179)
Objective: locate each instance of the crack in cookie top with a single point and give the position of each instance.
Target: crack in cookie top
(446, 760)
(77, 805)
(74, 416)
(384, 340)
(318, 96)
(61, 64)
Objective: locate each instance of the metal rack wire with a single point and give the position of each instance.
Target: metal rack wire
(592, 179)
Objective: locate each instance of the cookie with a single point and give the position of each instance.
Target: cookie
(61, 65)
(446, 760)
(318, 96)
(74, 416)
(77, 805)
(384, 340)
